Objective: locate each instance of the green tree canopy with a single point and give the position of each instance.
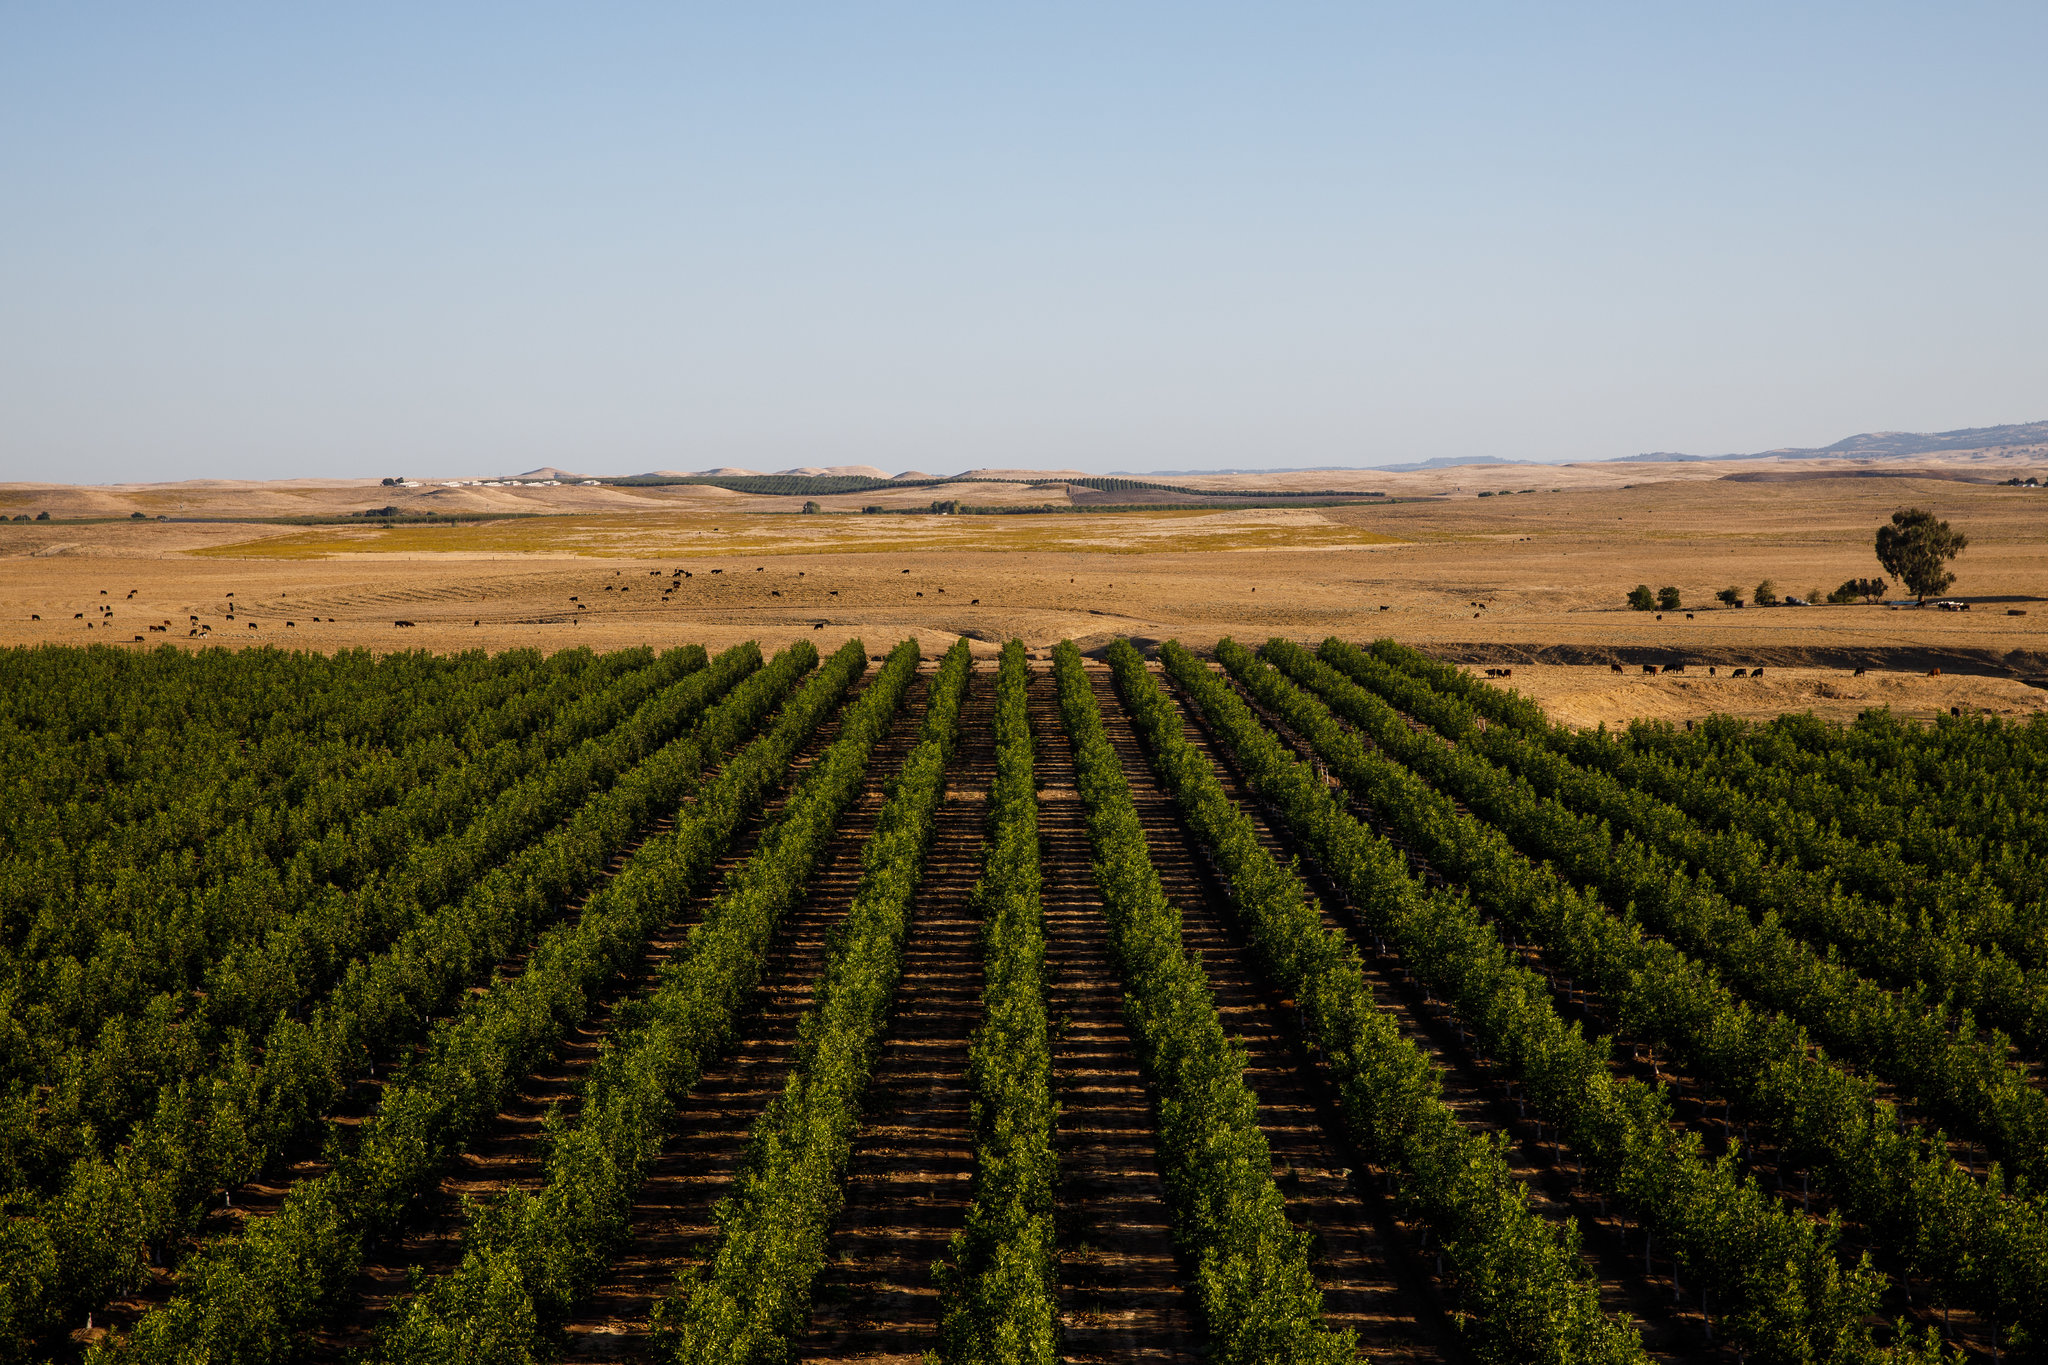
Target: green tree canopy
(1640, 598)
(1766, 594)
(1668, 600)
(1915, 547)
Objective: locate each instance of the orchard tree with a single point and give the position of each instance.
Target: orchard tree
(1915, 548)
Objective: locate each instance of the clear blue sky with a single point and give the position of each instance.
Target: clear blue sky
(281, 240)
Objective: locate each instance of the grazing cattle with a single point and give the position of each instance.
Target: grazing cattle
(1711, 670)
(1740, 673)
(1756, 672)
(1859, 672)
(1614, 668)
(78, 616)
(252, 625)
(1660, 616)
(1649, 668)
(975, 603)
(33, 617)
(819, 626)
(773, 593)
(1674, 668)
(1933, 672)
(1953, 710)
(1475, 616)
(834, 592)
(1688, 616)
(718, 571)
(291, 625)
(401, 623)
(138, 639)
(907, 571)
(920, 594)
(1382, 608)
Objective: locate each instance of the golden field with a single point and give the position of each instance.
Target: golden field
(1534, 579)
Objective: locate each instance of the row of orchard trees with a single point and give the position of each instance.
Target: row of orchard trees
(251, 982)
(1914, 547)
(1980, 1242)
(244, 1299)
(1773, 1280)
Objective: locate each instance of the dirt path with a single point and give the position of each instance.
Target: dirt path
(505, 1154)
(672, 1223)
(263, 1197)
(1120, 1288)
(1672, 1325)
(1369, 1285)
(907, 1184)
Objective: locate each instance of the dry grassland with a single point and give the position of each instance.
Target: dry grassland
(1534, 579)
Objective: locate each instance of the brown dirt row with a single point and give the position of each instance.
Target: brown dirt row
(1120, 1279)
(262, 1197)
(1697, 1107)
(1365, 1265)
(504, 1154)
(671, 1224)
(907, 1183)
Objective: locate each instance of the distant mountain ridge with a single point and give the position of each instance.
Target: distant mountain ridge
(1878, 445)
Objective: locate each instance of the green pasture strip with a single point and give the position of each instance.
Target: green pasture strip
(529, 1257)
(1982, 1244)
(1957, 1075)
(245, 1298)
(1000, 1288)
(1776, 1277)
(1252, 1276)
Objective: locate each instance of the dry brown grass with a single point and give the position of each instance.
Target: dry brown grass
(1550, 569)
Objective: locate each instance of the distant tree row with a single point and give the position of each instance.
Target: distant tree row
(1914, 547)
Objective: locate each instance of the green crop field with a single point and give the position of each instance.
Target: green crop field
(1279, 1004)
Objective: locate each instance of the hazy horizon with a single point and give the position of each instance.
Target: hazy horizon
(250, 243)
